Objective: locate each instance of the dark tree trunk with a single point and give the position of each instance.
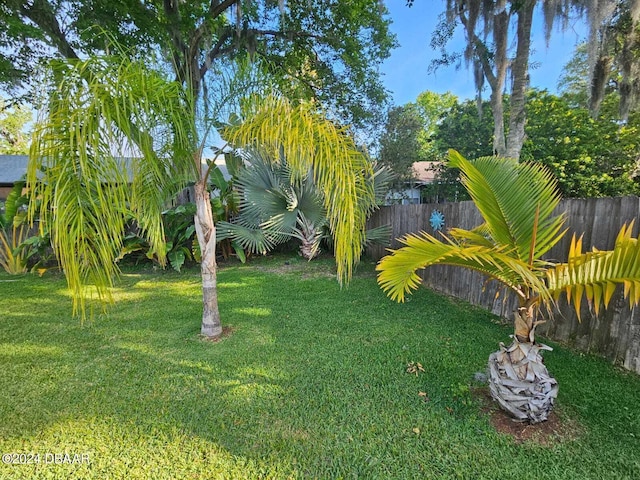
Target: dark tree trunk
(489, 61)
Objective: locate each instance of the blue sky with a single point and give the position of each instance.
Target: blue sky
(405, 72)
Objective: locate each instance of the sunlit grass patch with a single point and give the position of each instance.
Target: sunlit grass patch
(312, 383)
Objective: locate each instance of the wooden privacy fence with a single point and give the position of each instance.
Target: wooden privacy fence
(614, 333)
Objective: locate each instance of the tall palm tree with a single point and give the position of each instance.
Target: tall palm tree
(102, 109)
(516, 202)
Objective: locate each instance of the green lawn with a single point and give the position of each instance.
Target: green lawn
(311, 384)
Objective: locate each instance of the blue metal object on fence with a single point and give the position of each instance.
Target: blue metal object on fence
(436, 220)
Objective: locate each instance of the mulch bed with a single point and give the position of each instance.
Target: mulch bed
(555, 429)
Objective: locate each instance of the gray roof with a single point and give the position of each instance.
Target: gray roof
(12, 168)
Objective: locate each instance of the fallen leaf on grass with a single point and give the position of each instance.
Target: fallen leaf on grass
(415, 368)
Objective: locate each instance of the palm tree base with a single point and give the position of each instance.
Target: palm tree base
(520, 382)
(211, 332)
(309, 251)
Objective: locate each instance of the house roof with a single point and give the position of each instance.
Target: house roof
(12, 168)
(424, 171)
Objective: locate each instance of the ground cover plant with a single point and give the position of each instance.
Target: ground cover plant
(311, 382)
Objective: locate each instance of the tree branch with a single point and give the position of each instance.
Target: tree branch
(217, 51)
(481, 51)
(217, 8)
(288, 34)
(173, 14)
(42, 14)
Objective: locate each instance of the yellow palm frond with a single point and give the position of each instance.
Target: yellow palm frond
(311, 142)
(398, 271)
(595, 275)
(102, 110)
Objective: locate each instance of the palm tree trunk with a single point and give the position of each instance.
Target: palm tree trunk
(310, 236)
(518, 379)
(206, 232)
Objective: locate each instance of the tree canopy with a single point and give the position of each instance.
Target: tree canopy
(13, 120)
(400, 143)
(432, 107)
(590, 157)
(328, 51)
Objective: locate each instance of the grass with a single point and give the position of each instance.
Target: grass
(311, 384)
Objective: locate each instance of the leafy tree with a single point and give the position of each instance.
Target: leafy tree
(103, 106)
(516, 201)
(589, 157)
(465, 130)
(489, 29)
(432, 107)
(573, 83)
(400, 144)
(409, 134)
(13, 138)
(328, 56)
(327, 51)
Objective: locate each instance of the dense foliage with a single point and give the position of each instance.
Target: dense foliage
(465, 129)
(589, 157)
(327, 52)
(400, 143)
(13, 120)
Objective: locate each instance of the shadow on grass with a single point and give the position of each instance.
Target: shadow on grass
(311, 383)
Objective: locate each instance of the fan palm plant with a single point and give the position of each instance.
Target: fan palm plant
(103, 108)
(516, 202)
(275, 206)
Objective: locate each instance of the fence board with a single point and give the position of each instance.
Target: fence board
(615, 333)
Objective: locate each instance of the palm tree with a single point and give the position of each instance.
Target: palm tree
(102, 109)
(276, 207)
(516, 202)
